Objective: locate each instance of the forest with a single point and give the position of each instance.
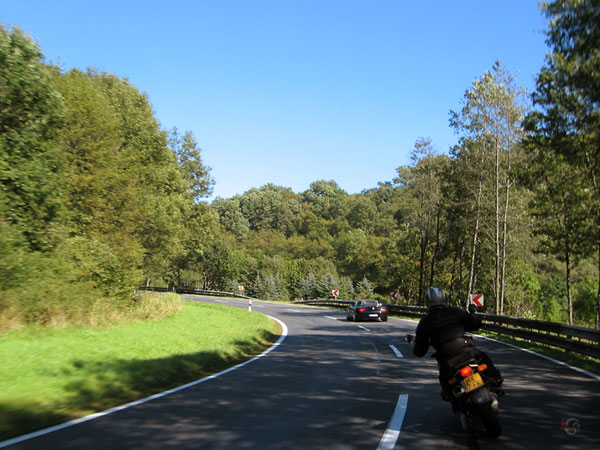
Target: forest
(97, 199)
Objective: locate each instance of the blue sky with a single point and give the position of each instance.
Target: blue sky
(293, 91)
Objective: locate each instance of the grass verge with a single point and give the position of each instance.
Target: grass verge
(51, 375)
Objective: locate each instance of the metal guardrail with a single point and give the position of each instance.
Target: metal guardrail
(585, 341)
(193, 292)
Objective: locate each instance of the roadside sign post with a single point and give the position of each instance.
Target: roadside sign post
(477, 300)
(335, 293)
(394, 296)
(241, 289)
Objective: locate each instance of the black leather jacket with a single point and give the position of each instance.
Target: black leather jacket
(444, 327)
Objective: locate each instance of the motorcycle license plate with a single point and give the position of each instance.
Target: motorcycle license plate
(473, 382)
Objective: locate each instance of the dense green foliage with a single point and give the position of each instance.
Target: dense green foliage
(96, 198)
(95, 195)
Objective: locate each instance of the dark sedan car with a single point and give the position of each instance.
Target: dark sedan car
(367, 310)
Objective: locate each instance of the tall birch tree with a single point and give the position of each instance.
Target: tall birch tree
(489, 126)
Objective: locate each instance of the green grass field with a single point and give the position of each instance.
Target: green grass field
(51, 375)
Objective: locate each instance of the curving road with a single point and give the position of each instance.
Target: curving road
(333, 384)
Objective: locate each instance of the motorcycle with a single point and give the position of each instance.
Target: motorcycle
(472, 393)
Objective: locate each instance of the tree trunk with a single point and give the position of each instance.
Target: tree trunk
(497, 223)
(597, 322)
(461, 261)
(424, 244)
(505, 237)
(453, 273)
(590, 159)
(422, 267)
(437, 244)
(568, 281)
(475, 242)
(568, 266)
(456, 276)
(504, 244)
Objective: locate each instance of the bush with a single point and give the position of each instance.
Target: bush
(584, 303)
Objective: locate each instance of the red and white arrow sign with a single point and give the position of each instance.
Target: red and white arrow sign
(477, 299)
(394, 295)
(335, 293)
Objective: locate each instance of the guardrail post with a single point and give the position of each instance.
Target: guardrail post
(249, 305)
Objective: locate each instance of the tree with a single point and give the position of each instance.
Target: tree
(31, 115)
(269, 287)
(194, 171)
(231, 216)
(271, 208)
(423, 210)
(560, 211)
(90, 141)
(489, 126)
(325, 197)
(308, 287)
(348, 246)
(362, 212)
(567, 96)
(157, 193)
(215, 265)
(364, 288)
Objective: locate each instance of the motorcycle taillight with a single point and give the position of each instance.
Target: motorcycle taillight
(481, 367)
(466, 371)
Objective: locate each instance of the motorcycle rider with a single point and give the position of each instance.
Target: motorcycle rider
(444, 327)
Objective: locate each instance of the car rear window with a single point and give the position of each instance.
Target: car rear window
(370, 302)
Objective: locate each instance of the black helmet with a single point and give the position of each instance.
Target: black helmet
(434, 297)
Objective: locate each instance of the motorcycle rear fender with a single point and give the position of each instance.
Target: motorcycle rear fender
(480, 396)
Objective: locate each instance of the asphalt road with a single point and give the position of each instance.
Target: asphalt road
(334, 384)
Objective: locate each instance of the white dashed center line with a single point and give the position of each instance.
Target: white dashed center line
(396, 351)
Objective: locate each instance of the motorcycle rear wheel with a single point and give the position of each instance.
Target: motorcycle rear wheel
(489, 420)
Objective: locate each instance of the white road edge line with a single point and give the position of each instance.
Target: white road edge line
(284, 332)
(396, 351)
(388, 441)
(330, 317)
(363, 328)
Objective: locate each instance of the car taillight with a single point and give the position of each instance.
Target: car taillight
(466, 371)
(383, 309)
(362, 309)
